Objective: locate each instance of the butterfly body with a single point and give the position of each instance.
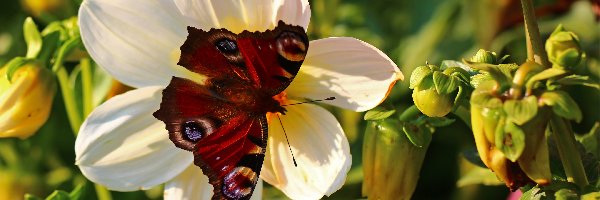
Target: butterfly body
(222, 119)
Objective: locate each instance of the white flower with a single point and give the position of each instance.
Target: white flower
(122, 146)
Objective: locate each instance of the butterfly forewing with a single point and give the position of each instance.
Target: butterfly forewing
(222, 120)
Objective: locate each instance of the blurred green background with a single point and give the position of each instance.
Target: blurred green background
(409, 32)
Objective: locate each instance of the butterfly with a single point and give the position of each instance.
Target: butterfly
(223, 119)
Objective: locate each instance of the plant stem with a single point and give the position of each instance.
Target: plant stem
(535, 50)
(86, 78)
(102, 192)
(72, 111)
(569, 156)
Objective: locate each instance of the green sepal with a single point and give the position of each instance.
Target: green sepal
(510, 139)
(33, 38)
(14, 65)
(418, 75)
(444, 84)
(459, 73)
(378, 113)
(416, 135)
(546, 74)
(82, 191)
(59, 195)
(64, 50)
(483, 97)
(521, 111)
(562, 104)
(575, 79)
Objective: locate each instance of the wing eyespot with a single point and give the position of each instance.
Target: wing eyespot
(227, 46)
(291, 46)
(194, 130)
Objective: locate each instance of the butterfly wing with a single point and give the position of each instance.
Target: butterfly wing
(228, 144)
(269, 60)
(222, 119)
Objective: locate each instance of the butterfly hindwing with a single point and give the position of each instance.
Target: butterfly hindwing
(222, 119)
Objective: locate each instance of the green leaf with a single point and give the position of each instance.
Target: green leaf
(378, 113)
(591, 196)
(578, 80)
(416, 134)
(534, 193)
(439, 121)
(562, 104)
(546, 74)
(565, 194)
(32, 38)
(591, 140)
(521, 111)
(478, 79)
(418, 75)
(510, 139)
(445, 84)
(59, 195)
(502, 73)
(50, 45)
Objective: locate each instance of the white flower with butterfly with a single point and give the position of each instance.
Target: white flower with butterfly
(122, 146)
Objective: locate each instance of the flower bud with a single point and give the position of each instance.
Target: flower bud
(564, 49)
(391, 163)
(430, 102)
(483, 56)
(39, 8)
(25, 101)
(491, 123)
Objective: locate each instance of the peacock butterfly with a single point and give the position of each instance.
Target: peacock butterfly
(222, 119)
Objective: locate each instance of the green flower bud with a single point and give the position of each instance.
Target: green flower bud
(391, 163)
(26, 101)
(564, 49)
(430, 102)
(483, 56)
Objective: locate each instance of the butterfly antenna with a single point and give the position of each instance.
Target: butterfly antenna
(288, 141)
(311, 101)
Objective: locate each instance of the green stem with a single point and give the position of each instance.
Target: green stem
(535, 50)
(86, 77)
(72, 111)
(102, 192)
(569, 156)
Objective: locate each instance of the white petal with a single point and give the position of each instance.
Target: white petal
(136, 41)
(236, 16)
(192, 184)
(122, 146)
(357, 74)
(320, 147)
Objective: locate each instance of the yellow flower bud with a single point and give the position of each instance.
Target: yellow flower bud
(39, 7)
(25, 103)
(483, 56)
